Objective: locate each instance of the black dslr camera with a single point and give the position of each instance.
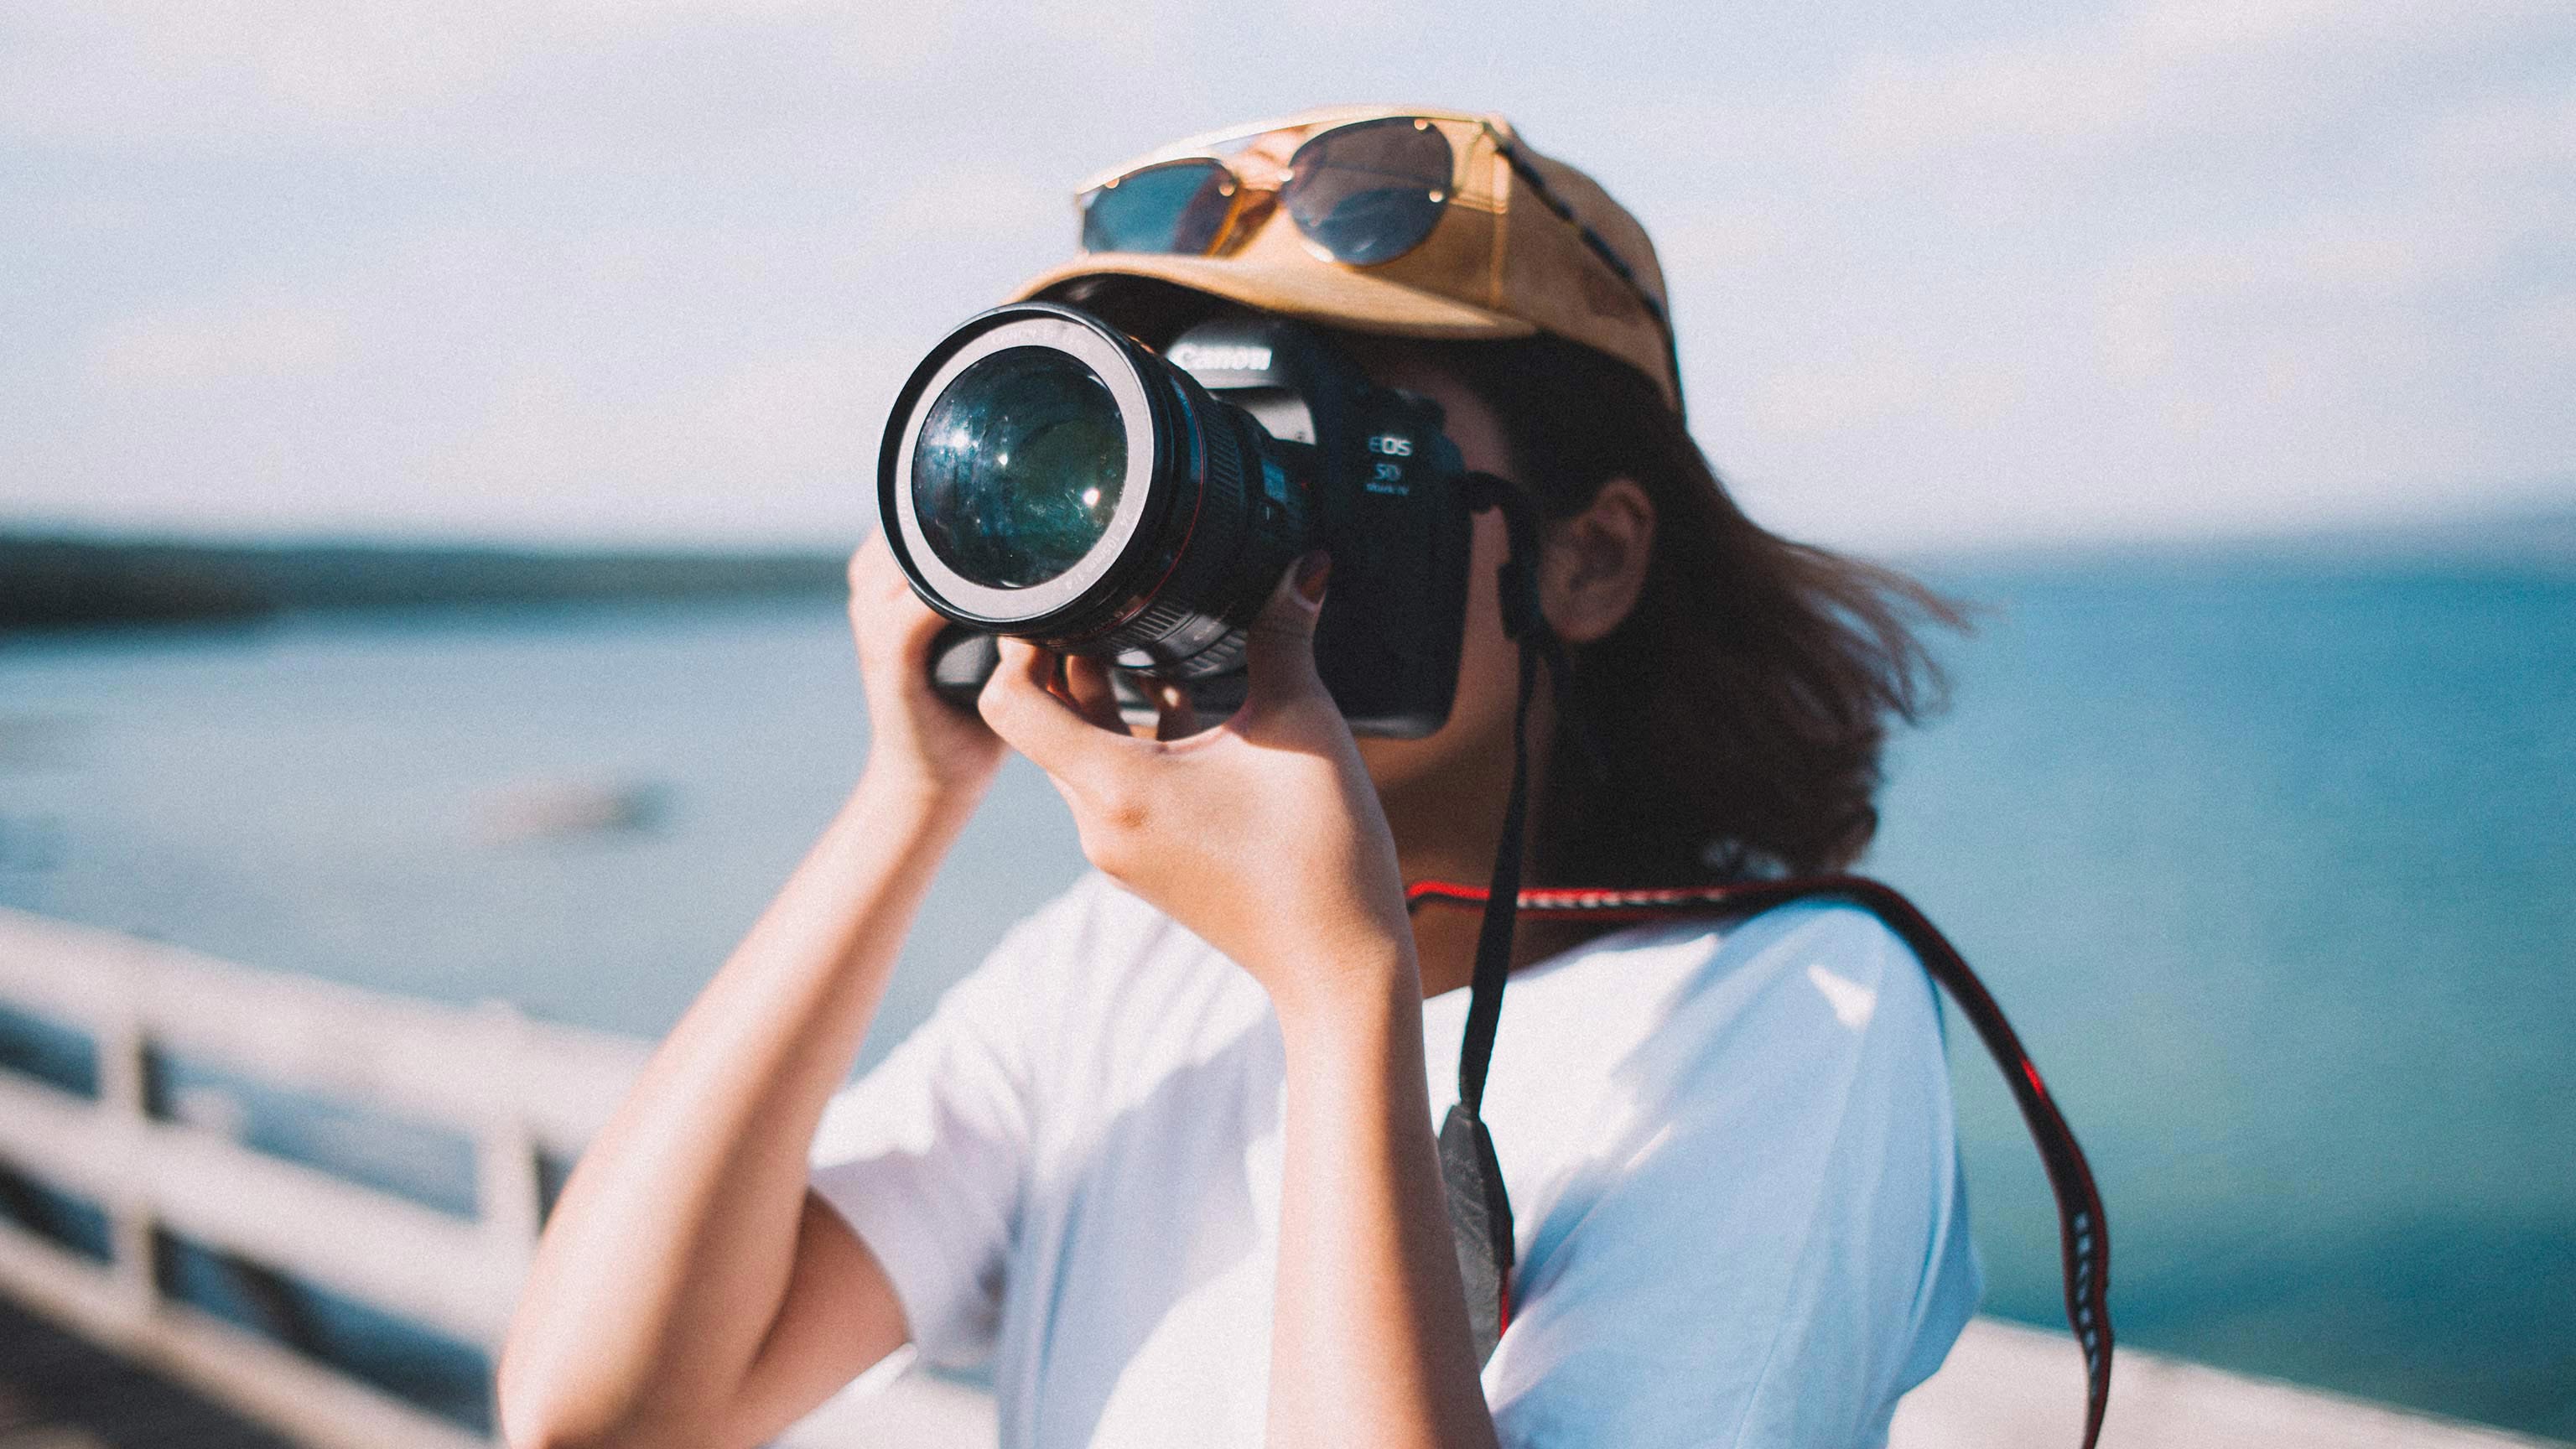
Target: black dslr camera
(1047, 476)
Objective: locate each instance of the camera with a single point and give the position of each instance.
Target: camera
(1046, 476)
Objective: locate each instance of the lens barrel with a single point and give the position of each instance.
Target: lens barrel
(1043, 475)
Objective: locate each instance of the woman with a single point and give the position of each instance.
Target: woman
(1166, 1160)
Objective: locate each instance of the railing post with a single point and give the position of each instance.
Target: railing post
(505, 1152)
(124, 1108)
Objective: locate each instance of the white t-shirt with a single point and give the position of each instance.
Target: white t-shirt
(1729, 1153)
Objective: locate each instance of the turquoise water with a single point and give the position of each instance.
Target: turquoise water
(2271, 863)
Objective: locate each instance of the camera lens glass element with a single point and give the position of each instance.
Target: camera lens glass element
(1019, 467)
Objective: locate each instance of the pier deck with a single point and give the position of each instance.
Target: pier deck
(58, 1391)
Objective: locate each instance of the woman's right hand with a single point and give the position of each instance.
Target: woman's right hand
(915, 738)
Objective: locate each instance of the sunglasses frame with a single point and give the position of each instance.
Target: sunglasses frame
(1242, 216)
(1251, 199)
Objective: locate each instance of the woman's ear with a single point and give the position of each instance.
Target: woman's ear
(1595, 562)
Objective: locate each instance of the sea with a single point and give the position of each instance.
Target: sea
(2271, 859)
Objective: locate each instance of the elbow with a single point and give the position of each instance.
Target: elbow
(535, 1414)
(526, 1424)
(532, 1414)
(535, 1423)
(536, 1409)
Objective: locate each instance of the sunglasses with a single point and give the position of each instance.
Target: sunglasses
(1364, 192)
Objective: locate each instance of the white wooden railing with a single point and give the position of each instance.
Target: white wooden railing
(518, 1089)
(511, 1086)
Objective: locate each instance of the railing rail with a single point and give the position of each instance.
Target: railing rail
(512, 1087)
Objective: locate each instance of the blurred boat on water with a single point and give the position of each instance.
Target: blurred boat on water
(536, 810)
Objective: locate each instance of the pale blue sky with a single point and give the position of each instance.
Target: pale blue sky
(650, 270)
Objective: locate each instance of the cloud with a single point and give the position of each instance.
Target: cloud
(2175, 268)
(784, 441)
(654, 267)
(2520, 136)
(119, 72)
(2172, 73)
(199, 346)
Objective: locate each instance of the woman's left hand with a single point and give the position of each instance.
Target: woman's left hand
(1262, 835)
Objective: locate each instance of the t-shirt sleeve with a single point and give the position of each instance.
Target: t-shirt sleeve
(1769, 1246)
(926, 1157)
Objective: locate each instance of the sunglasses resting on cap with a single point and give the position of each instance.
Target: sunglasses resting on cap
(1410, 222)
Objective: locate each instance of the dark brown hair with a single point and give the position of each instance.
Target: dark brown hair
(1739, 711)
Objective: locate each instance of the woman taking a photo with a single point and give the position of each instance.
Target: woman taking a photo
(1166, 1162)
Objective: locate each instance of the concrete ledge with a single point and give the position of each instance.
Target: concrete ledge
(2005, 1386)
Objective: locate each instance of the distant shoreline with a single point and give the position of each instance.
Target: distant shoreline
(62, 582)
(67, 581)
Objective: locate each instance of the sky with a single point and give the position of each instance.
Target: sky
(650, 270)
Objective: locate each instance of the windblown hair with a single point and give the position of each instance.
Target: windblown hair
(1741, 708)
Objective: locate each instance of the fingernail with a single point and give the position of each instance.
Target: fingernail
(1312, 572)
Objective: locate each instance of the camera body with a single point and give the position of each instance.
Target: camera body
(1174, 490)
(1385, 500)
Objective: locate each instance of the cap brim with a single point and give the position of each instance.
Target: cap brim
(1330, 295)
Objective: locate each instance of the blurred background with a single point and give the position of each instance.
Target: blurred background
(428, 436)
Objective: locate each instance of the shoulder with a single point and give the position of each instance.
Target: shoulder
(1824, 999)
(1676, 1016)
(1812, 978)
(1843, 956)
(1748, 1228)
(1690, 1061)
(1827, 929)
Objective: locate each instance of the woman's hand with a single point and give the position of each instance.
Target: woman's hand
(915, 738)
(1263, 835)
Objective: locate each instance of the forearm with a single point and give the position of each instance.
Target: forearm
(670, 1253)
(1369, 1338)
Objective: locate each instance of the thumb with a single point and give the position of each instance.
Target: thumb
(1279, 647)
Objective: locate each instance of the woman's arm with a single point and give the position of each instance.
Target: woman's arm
(689, 1290)
(1265, 837)
(1368, 1338)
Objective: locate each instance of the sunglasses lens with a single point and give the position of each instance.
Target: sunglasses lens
(1370, 192)
(1175, 207)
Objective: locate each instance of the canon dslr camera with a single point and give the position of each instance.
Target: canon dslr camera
(1047, 476)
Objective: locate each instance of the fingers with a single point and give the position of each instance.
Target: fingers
(873, 574)
(888, 617)
(1087, 685)
(1021, 705)
(1176, 713)
(869, 559)
(1280, 648)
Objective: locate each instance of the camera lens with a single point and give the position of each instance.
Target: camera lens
(1047, 476)
(1019, 467)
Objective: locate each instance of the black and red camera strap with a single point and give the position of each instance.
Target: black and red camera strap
(1480, 1215)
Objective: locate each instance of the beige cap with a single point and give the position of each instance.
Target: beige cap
(1502, 261)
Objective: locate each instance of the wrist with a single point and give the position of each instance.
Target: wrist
(1350, 1001)
(905, 797)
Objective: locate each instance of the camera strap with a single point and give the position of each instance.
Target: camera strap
(1480, 1214)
